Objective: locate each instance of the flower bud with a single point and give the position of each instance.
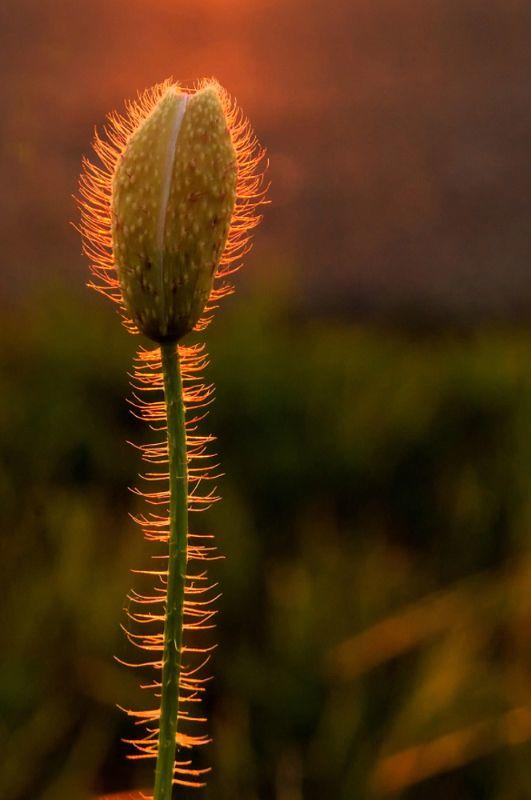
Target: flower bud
(173, 196)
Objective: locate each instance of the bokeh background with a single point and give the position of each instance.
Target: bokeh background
(373, 407)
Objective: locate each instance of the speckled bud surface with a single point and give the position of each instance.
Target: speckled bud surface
(173, 195)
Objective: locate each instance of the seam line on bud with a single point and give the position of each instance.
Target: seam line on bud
(166, 179)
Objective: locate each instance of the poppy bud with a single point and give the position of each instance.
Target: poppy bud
(166, 216)
(172, 199)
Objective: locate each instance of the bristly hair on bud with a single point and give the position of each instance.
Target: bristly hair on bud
(167, 214)
(173, 194)
(166, 217)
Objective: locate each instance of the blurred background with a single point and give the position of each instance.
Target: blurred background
(373, 407)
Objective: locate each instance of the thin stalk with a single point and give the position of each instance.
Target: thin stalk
(171, 662)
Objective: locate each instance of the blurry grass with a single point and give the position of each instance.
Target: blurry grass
(376, 518)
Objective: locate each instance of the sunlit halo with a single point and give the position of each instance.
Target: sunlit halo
(146, 611)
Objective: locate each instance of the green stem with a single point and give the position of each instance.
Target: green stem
(171, 662)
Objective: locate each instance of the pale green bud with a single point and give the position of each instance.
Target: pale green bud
(173, 195)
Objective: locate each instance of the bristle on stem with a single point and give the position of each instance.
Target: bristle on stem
(118, 198)
(177, 562)
(167, 621)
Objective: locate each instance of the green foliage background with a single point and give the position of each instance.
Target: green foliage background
(375, 476)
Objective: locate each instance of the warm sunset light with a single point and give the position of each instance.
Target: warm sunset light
(272, 543)
(149, 223)
(96, 188)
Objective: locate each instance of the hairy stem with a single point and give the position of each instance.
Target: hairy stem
(171, 663)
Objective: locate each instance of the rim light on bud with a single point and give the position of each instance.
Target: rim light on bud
(168, 214)
(173, 195)
(165, 218)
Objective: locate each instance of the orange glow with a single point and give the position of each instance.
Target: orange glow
(146, 611)
(148, 404)
(95, 192)
(397, 772)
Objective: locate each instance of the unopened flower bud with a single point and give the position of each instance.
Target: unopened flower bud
(173, 195)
